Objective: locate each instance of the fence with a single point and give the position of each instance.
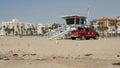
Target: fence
(109, 35)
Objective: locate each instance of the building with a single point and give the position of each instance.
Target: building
(112, 25)
(11, 27)
(15, 27)
(107, 21)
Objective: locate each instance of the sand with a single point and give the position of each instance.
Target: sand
(39, 52)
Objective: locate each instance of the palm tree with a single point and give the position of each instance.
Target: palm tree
(102, 28)
(114, 24)
(30, 30)
(91, 25)
(13, 29)
(6, 30)
(4, 27)
(17, 32)
(100, 23)
(21, 30)
(55, 25)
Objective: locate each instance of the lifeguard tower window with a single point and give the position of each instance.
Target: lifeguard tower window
(82, 21)
(77, 20)
(71, 21)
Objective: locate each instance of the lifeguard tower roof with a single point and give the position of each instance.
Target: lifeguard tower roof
(69, 17)
(74, 19)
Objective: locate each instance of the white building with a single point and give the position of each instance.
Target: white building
(14, 24)
(16, 27)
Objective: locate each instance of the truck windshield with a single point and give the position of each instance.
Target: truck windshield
(79, 28)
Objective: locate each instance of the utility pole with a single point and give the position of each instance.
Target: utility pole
(88, 13)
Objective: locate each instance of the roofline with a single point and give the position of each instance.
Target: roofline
(72, 16)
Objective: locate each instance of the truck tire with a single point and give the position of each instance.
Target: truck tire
(96, 37)
(73, 38)
(87, 38)
(82, 37)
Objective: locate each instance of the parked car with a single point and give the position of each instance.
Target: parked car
(83, 34)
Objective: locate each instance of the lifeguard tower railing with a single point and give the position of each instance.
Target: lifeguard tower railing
(61, 32)
(58, 33)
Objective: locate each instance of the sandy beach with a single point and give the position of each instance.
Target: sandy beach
(39, 52)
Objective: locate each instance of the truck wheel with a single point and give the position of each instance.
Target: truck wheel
(87, 38)
(96, 37)
(82, 37)
(73, 38)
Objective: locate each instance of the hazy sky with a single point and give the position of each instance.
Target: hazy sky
(50, 11)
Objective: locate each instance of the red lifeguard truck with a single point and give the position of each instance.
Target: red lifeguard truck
(79, 28)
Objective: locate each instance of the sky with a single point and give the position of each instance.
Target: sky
(51, 11)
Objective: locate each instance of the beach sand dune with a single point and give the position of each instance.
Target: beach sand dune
(39, 52)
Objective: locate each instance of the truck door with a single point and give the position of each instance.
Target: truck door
(88, 32)
(92, 32)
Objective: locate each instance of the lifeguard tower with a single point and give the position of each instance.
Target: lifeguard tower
(72, 22)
